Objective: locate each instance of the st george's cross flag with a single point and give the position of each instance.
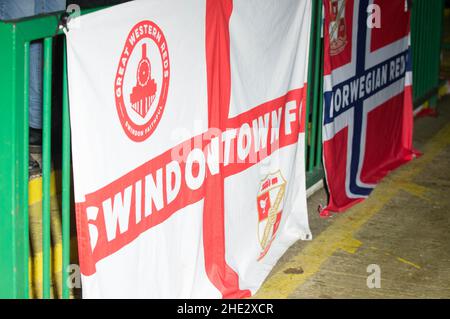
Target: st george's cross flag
(187, 120)
(367, 114)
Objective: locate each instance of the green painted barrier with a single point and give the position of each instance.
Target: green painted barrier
(426, 35)
(15, 38)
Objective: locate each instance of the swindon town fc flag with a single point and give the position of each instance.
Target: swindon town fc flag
(188, 121)
(367, 118)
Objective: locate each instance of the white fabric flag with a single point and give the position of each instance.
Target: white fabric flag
(188, 121)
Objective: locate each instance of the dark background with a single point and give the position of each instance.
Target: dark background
(87, 4)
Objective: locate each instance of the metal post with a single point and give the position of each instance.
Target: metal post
(310, 88)
(65, 183)
(13, 165)
(46, 166)
(315, 119)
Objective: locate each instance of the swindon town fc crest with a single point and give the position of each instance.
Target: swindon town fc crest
(337, 27)
(270, 201)
(142, 80)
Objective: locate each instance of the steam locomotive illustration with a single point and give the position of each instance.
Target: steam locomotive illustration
(144, 92)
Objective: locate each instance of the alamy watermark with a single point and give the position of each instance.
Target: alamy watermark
(374, 279)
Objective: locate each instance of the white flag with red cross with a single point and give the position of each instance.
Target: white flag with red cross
(188, 122)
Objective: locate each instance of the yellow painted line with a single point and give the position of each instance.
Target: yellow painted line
(417, 190)
(408, 262)
(35, 189)
(400, 259)
(340, 234)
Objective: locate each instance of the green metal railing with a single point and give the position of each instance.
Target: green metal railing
(313, 132)
(426, 35)
(15, 38)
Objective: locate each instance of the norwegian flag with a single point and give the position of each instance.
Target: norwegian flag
(367, 120)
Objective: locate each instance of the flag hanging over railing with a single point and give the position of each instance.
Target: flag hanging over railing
(367, 118)
(188, 122)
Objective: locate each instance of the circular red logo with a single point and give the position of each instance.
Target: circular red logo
(142, 80)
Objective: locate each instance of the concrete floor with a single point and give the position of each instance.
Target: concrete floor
(403, 227)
